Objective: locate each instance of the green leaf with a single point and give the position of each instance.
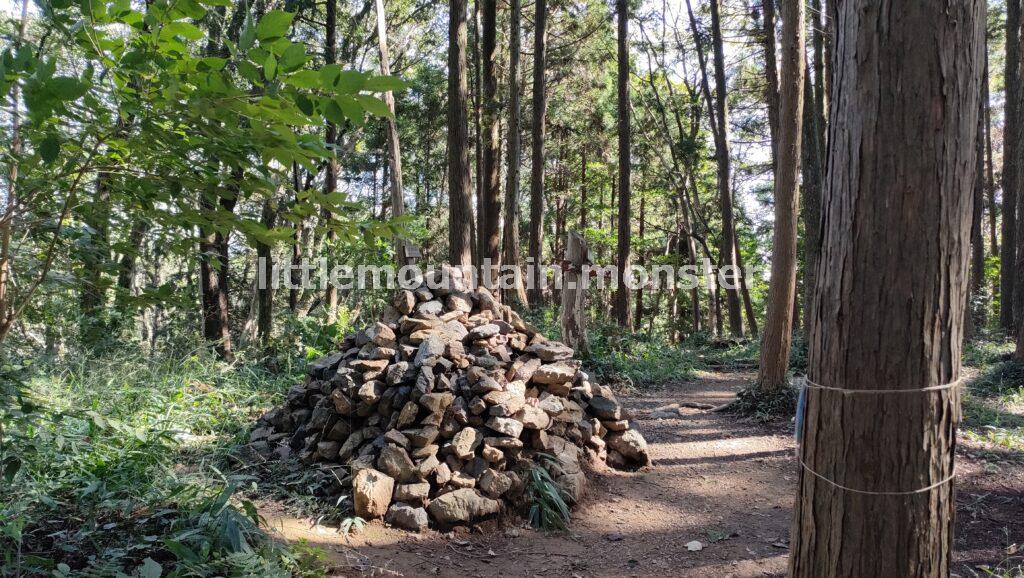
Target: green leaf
(352, 109)
(249, 72)
(333, 113)
(210, 64)
(384, 84)
(303, 79)
(150, 569)
(374, 106)
(270, 67)
(66, 87)
(304, 104)
(274, 24)
(183, 29)
(49, 148)
(293, 57)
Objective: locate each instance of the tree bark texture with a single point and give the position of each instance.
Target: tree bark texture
(510, 247)
(620, 305)
(540, 105)
(1011, 154)
(490, 220)
(460, 210)
(888, 312)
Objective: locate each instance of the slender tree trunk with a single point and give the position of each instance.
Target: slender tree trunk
(778, 331)
(812, 170)
(820, 27)
(460, 210)
(95, 256)
(976, 304)
(265, 293)
(394, 147)
(887, 319)
(621, 299)
(583, 187)
(748, 302)
(331, 179)
(642, 261)
(771, 73)
(540, 105)
(216, 327)
(510, 248)
(1011, 153)
(990, 179)
(490, 232)
(478, 182)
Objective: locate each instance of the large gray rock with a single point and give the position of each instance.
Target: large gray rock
(395, 462)
(407, 517)
(562, 372)
(631, 445)
(462, 506)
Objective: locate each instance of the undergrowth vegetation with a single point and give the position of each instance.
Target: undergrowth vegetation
(121, 464)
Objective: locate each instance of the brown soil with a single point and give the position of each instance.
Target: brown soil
(718, 480)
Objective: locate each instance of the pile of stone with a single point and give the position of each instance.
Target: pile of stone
(434, 415)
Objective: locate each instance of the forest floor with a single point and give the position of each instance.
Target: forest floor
(724, 482)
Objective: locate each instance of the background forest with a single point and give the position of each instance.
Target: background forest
(154, 151)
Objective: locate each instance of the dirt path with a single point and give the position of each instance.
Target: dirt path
(725, 483)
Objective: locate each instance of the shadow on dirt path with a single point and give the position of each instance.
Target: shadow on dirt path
(718, 480)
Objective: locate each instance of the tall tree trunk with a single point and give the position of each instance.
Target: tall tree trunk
(216, 323)
(812, 169)
(538, 132)
(574, 296)
(621, 299)
(583, 187)
(976, 305)
(642, 261)
(820, 27)
(886, 319)
(95, 256)
(510, 247)
(265, 292)
(394, 147)
(1011, 178)
(990, 179)
(490, 220)
(778, 330)
(478, 182)
(460, 210)
(331, 179)
(771, 73)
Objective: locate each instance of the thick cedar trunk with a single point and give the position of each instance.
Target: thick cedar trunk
(721, 117)
(620, 309)
(900, 175)
(510, 247)
(771, 73)
(1011, 178)
(778, 331)
(394, 147)
(990, 179)
(490, 219)
(460, 211)
(331, 179)
(540, 105)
